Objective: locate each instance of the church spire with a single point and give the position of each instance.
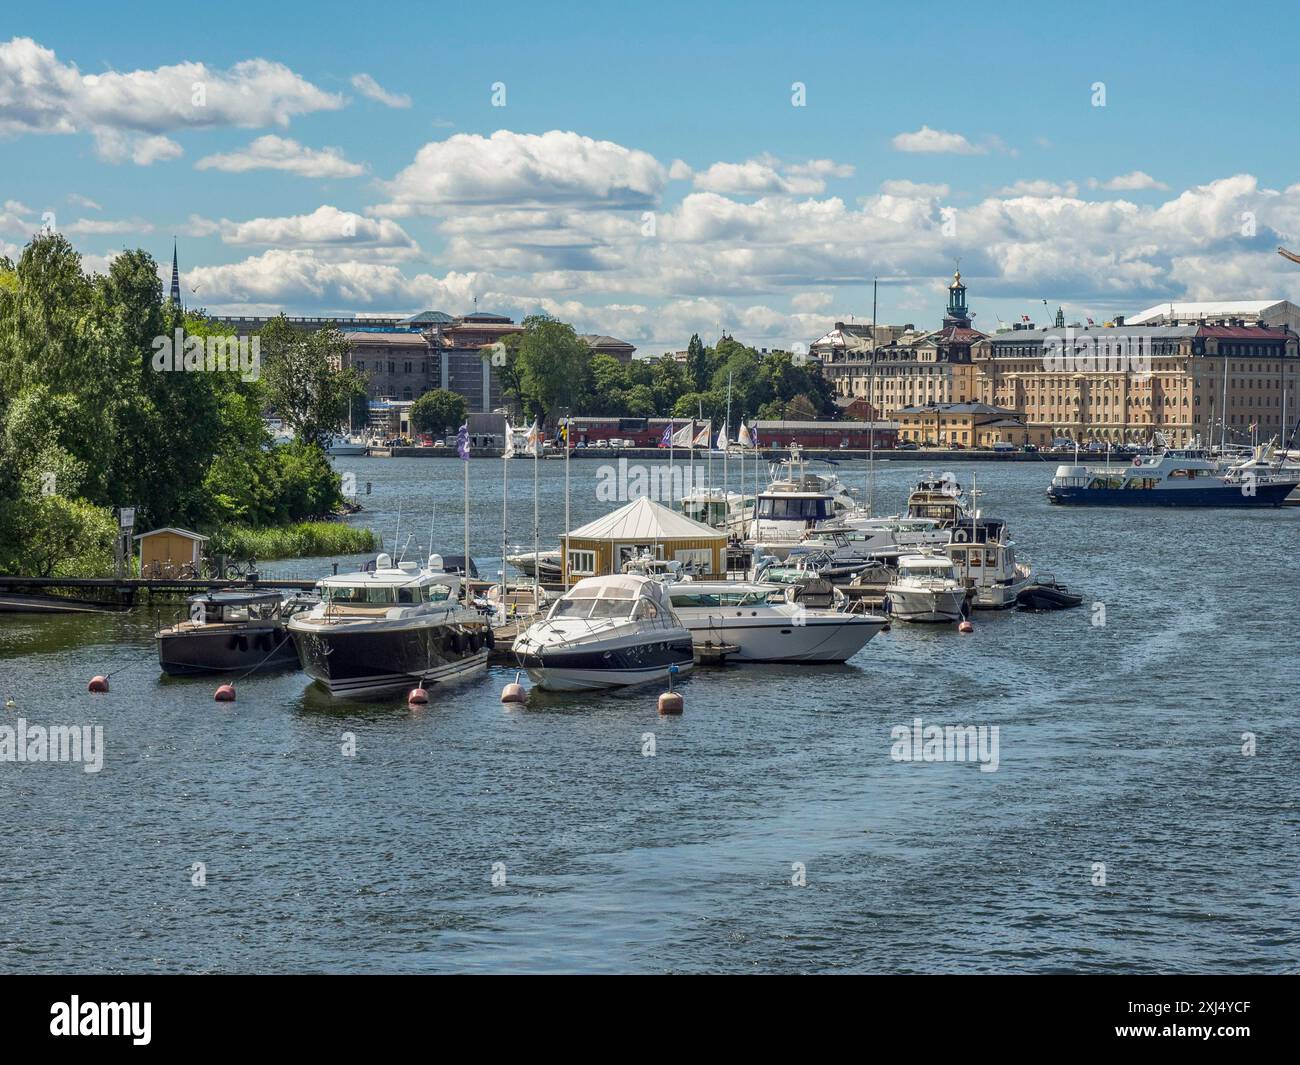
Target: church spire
(957, 312)
(176, 277)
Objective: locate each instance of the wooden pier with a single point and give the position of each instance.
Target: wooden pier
(32, 594)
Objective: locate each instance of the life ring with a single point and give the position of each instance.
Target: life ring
(960, 535)
(1137, 460)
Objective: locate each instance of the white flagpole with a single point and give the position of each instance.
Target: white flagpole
(505, 482)
(568, 446)
(672, 464)
(537, 575)
(465, 463)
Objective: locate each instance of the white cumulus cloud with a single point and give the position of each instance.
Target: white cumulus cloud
(270, 152)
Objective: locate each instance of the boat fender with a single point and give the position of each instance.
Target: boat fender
(490, 638)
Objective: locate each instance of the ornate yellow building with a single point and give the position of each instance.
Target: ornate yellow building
(1119, 384)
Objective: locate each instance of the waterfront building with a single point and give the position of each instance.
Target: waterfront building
(1277, 313)
(639, 529)
(961, 424)
(611, 346)
(911, 369)
(1234, 382)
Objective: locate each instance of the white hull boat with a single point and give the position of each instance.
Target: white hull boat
(764, 626)
(927, 588)
(606, 632)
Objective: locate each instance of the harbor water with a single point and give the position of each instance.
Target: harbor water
(773, 827)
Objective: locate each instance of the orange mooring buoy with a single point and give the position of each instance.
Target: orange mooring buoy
(417, 697)
(225, 694)
(97, 684)
(671, 703)
(514, 692)
(965, 626)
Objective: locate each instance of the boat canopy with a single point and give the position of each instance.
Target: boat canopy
(236, 597)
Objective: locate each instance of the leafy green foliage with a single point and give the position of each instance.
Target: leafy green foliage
(438, 411)
(88, 421)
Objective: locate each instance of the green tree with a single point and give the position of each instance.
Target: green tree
(554, 366)
(438, 411)
(305, 379)
(698, 363)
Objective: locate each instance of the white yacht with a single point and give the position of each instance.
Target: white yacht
(986, 563)
(545, 565)
(345, 445)
(855, 543)
(1266, 465)
(391, 628)
(766, 625)
(718, 508)
(927, 588)
(606, 632)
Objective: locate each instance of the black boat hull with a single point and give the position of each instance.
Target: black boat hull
(194, 653)
(358, 662)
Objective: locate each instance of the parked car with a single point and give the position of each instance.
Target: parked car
(580, 443)
(602, 443)
(908, 445)
(955, 446)
(1030, 449)
(1003, 447)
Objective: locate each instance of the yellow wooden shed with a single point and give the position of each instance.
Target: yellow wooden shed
(170, 549)
(643, 527)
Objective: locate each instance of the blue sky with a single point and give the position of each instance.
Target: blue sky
(648, 174)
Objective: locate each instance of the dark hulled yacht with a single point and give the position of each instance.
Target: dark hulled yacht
(392, 628)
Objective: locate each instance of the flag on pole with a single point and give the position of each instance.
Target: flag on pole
(667, 439)
(535, 439)
(722, 439)
(462, 441)
(753, 435)
(744, 439)
(509, 451)
(564, 430)
(684, 435)
(702, 440)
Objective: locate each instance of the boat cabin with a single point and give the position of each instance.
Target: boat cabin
(236, 607)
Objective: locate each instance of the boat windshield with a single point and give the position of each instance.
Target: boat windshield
(593, 608)
(797, 508)
(706, 599)
(383, 594)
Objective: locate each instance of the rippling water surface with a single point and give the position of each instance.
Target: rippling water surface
(1119, 744)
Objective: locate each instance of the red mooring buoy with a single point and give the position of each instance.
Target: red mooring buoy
(671, 703)
(514, 692)
(417, 697)
(97, 684)
(965, 626)
(225, 694)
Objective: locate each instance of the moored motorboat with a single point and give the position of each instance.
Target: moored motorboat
(926, 588)
(231, 631)
(1168, 479)
(393, 627)
(767, 623)
(1046, 593)
(606, 632)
